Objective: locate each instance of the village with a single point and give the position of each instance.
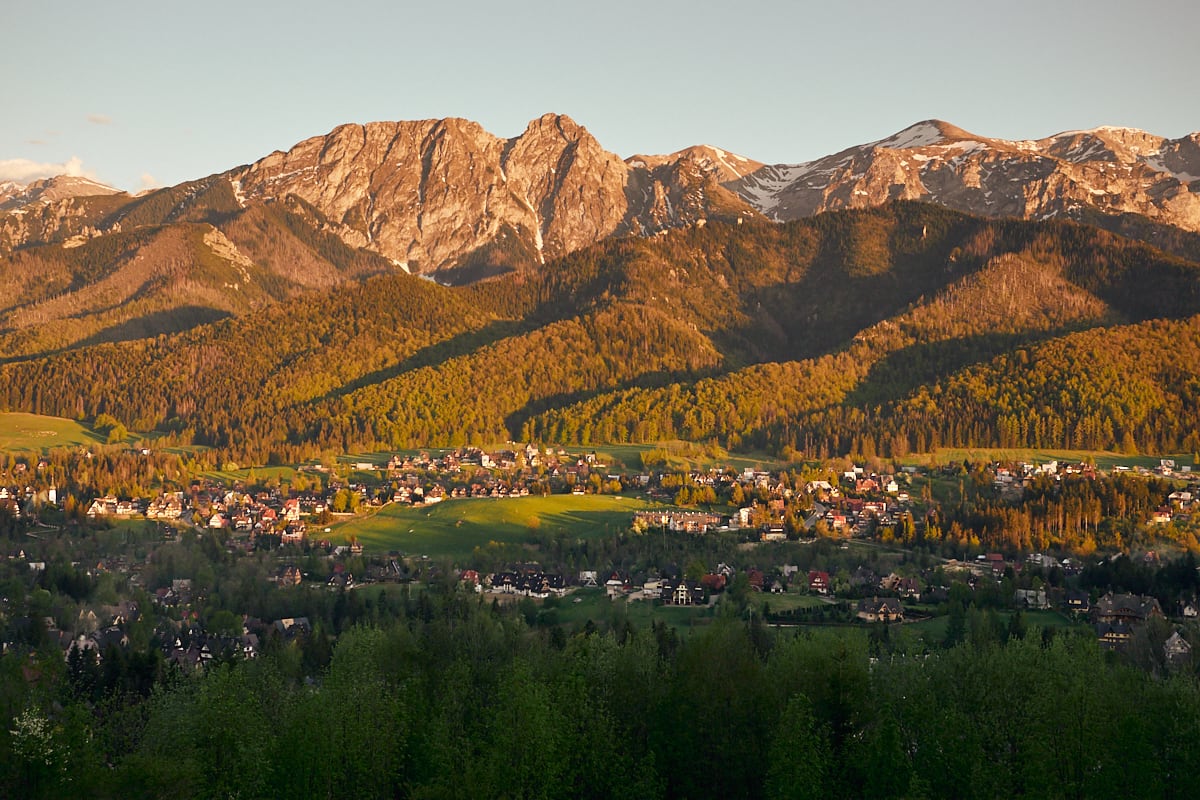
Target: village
(839, 520)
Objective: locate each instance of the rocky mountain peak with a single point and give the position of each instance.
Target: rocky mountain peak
(435, 195)
(555, 125)
(14, 196)
(445, 196)
(926, 133)
(1110, 170)
(726, 166)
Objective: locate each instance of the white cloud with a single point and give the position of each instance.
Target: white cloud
(99, 119)
(148, 182)
(22, 170)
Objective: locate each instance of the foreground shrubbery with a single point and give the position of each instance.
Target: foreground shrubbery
(462, 699)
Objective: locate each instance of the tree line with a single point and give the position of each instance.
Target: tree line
(459, 698)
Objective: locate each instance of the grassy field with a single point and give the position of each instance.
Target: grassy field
(1103, 459)
(578, 607)
(683, 456)
(35, 432)
(788, 601)
(456, 527)
(934, 629)
(285, 475)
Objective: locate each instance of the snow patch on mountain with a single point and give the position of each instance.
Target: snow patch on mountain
(762, 189)
(238, 194)
(923, 134)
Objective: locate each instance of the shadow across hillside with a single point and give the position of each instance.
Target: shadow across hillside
(646, 380)
(434, 354)
(155, 323)
(147, 326)
(902, 372)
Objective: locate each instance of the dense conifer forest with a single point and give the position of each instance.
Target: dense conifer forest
(894, 330)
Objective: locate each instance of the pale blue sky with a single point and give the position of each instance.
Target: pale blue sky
(162, 91)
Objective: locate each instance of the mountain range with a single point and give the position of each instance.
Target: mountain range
(272, 310)
(443, 196)
(1107, 170)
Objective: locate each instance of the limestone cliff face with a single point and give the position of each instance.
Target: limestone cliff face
(1110, 170)
(685, 188)
(426, 194)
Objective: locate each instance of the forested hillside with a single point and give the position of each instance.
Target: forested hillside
(882, 331)
(173, 260)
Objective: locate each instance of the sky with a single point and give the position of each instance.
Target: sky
(142, 94)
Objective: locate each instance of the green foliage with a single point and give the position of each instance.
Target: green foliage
(450, 696)
(877, 333)
(799, 756)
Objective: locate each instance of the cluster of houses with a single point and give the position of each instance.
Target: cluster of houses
(853, 502)
(1117, 618)
(466, 458)
(881, 501)
(679, 591)
(184, 643)
(1117, 615)
(192, 648)
(17, 501)
(421, 479)
(96, 631)
(196, 648)
(680, 521)
(1181, 506)
(259, 512)
(527, 583)
(521, 467)
(860, 502)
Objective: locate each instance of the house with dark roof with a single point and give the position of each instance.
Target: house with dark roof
(880, 609)
(1113, 635)
(1128, 609)
(1176, 649)
(681, 593)
(1031, 598)
(1078, 601)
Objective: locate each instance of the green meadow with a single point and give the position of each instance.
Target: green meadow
(454, 528)
(36, 432)
(681, 456)
(1103, 459)
(934, 629)
(582, 605)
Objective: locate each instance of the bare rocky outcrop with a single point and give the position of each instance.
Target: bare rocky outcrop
(48, 211)
(429, 193)
(14, 196)
(1110, 170)
(447, 197)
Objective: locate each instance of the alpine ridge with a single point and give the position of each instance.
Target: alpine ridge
(1072, 174)
(452, 202)
(15, 197)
